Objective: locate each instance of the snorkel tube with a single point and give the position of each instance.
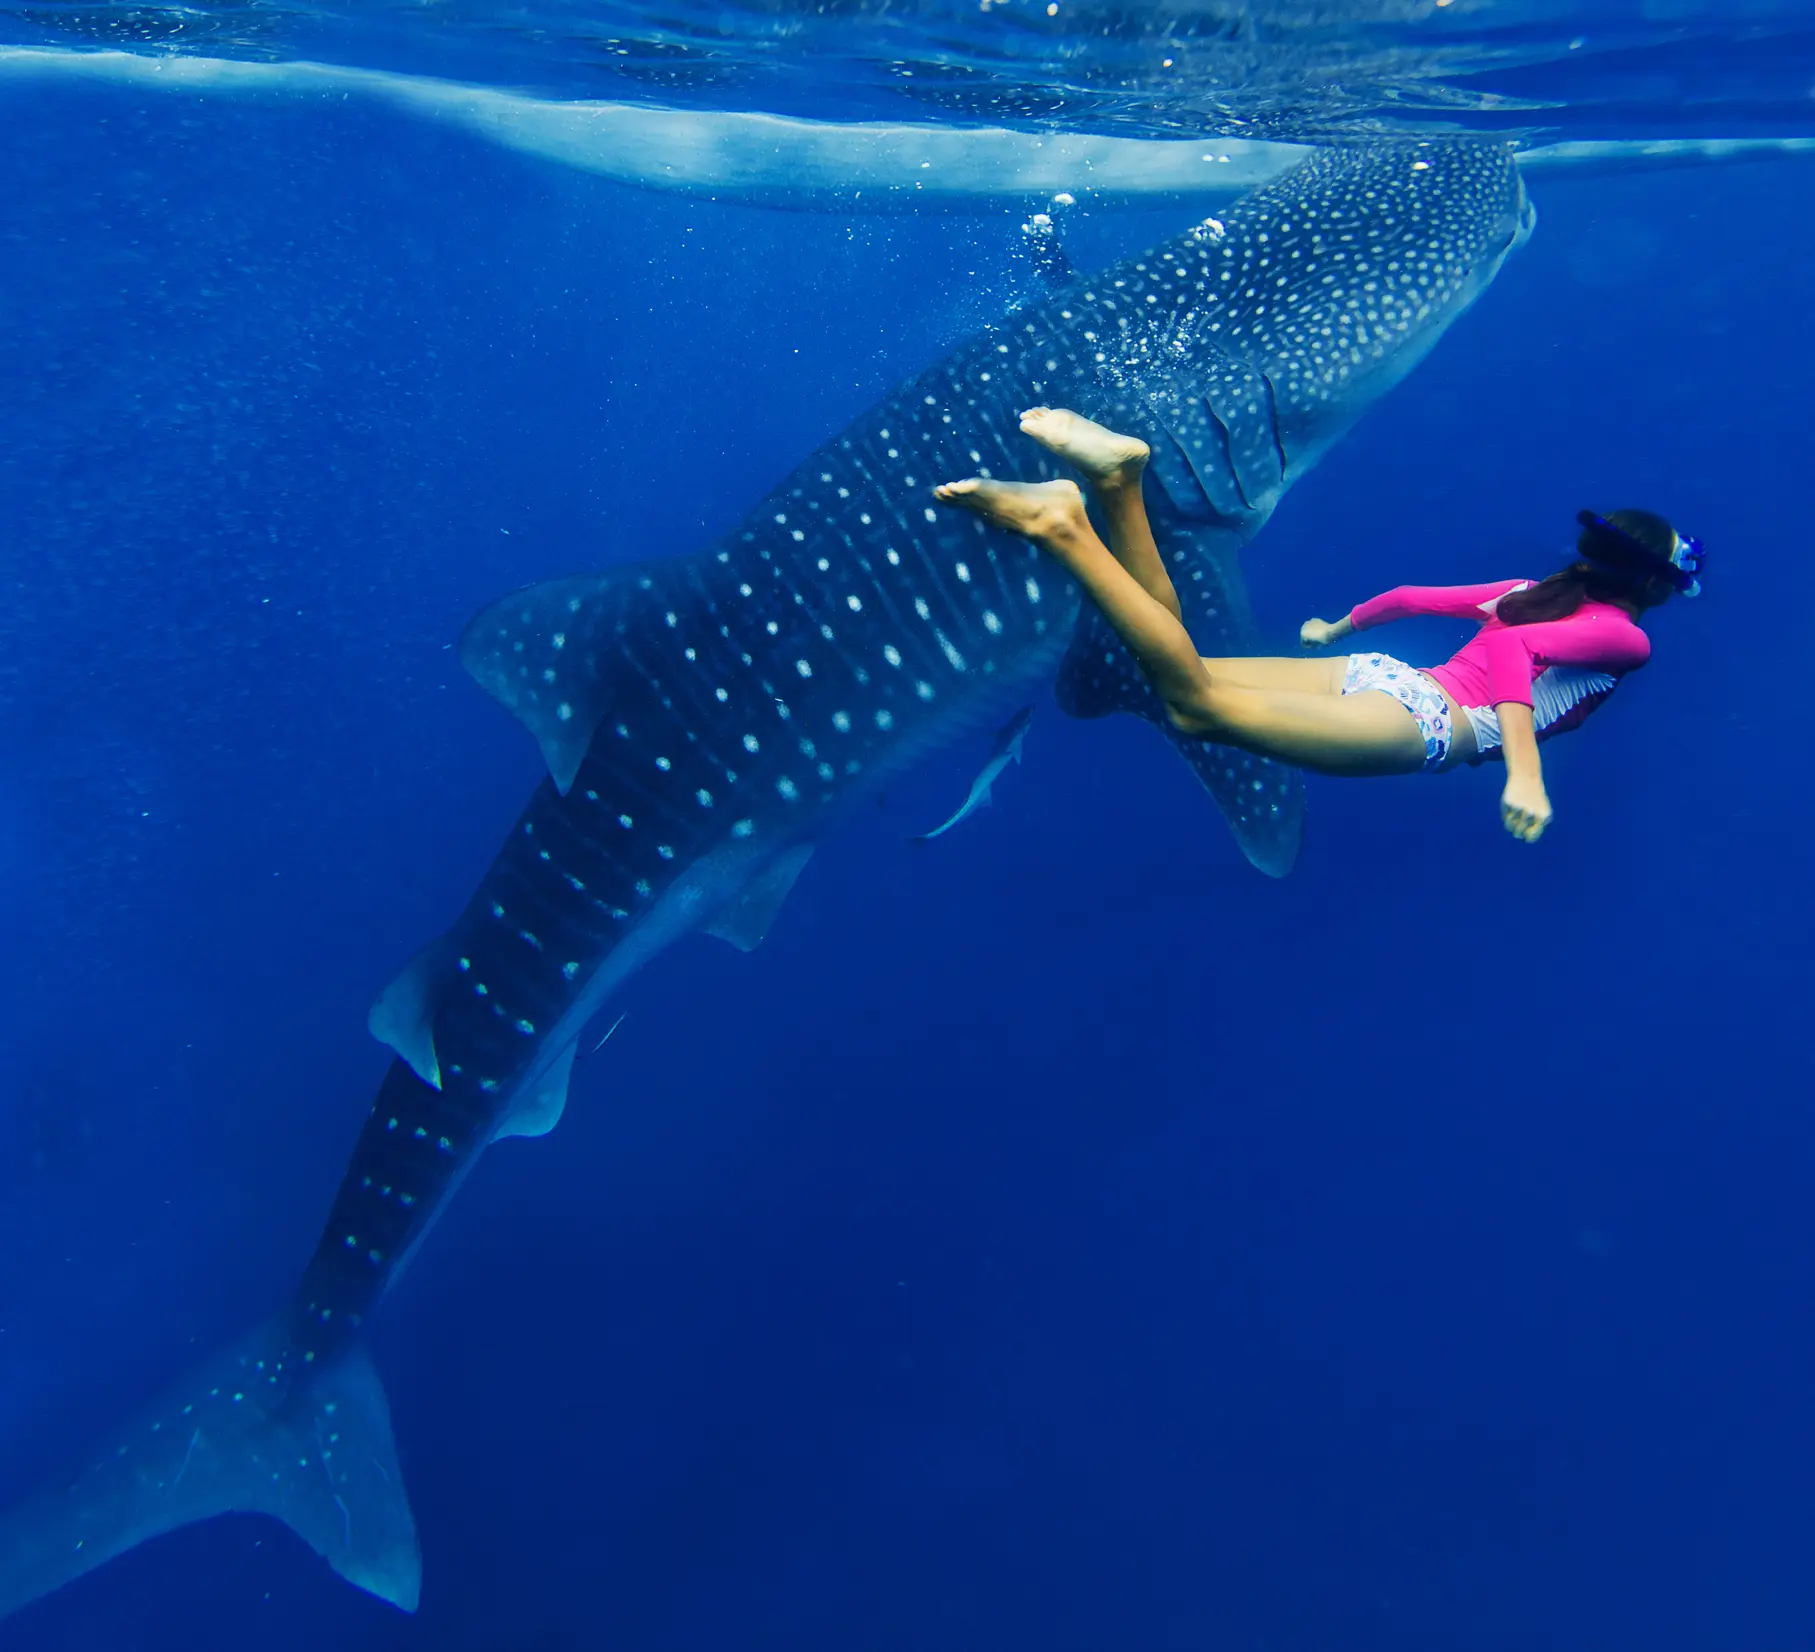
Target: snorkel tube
(1611, 546)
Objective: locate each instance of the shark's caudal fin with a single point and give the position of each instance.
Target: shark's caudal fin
(250, 1431)
(1263, 801)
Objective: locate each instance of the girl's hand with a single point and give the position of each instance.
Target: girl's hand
(1525, 807)
(1316, 633)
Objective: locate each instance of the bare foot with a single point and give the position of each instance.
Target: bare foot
(1042, 511)
(1105, 457)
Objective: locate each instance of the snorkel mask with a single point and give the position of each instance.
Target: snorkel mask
(1616, 548)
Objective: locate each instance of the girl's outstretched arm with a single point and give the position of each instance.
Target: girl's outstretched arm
(1524, 804)
(1471, 602)
(1475, 602)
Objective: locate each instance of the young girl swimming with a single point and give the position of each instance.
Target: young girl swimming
(1547, 652)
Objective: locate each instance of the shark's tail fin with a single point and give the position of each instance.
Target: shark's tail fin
(260, 1428)
(1263, 801)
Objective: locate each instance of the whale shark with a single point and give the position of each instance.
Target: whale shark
(705, 720)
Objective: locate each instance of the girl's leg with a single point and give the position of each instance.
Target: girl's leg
(1113, 464)
(1352, 734)
(1319, 676)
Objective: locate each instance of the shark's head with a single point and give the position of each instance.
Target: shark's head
(1265, 333)
(1361, 261)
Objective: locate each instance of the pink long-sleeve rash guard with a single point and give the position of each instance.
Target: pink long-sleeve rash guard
(1561, 668)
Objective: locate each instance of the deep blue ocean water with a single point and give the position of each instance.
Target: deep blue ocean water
(1057, 1237)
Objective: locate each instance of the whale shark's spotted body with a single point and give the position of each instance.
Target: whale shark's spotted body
(704, 721)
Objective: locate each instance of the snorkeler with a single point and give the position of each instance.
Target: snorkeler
(1547, 652)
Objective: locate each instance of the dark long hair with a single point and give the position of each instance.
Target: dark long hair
(1584, 581)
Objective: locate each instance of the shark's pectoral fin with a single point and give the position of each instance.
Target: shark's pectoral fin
(556, 654)
(538, 1110)
(1263, 801)
(745, 921)
(256, 1429)
(404, 1016)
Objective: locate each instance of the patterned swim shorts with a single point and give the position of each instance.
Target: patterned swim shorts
(1413, 690)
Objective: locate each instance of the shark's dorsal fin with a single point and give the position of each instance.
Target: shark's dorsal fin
(550, 653)
(746, 920)
(539, 1109)
(1263, 801)
(404, 1016)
